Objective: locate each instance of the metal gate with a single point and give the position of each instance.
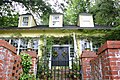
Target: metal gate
(59, 72)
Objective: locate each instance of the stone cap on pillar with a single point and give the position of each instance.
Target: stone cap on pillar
(8, 46)
(33, 54)
(109, 45)
(88, 54)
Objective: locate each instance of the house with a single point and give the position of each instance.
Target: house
(68, 40)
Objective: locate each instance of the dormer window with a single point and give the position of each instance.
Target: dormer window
(25, 21)
(56, 20)
(85, 20)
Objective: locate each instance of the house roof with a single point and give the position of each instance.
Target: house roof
(46, 27)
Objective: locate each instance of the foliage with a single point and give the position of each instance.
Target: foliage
(76, 68)
(16, 35)
(113, 35)
(42, 68)
(26, 62)
(26, 65)
(54, 54)
(74, 8)
(49, 41)
(9, 21)
(25, 76)
(63, 40)
(98, 37)
(106, 12)
(76, 64)
(39, 7)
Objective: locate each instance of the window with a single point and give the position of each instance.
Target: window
(95, 47)
(25, 21)
(55, 20)
(85, 44)
(22, 44)
(25, 44)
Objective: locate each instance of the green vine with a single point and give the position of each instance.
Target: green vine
(49, 41)
(54, 54)
(43, 69)
(26, 65)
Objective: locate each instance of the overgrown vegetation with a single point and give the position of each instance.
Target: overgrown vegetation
(43, 71)
(49, 41)
(26, 65)
(105, 12)
(9, 9)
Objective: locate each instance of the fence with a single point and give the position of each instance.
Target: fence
(59, 72)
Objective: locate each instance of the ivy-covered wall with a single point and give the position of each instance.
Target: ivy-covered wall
(96, 35)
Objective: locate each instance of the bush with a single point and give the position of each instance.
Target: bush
(26, 65)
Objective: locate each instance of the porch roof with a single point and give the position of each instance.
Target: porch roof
(46, 27)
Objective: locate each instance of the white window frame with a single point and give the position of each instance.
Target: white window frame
(19, 43)
(88, 44)
(24, 21)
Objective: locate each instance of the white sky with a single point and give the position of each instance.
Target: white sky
(55, 4)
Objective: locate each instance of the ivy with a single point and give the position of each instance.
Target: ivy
(26, 62)
(26, 65)
(51, 40)
(43, 69)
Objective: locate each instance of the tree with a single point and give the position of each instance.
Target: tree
(113, 35)
(8, 17)
(39, 7)
(74, 8)
(106, 12)
(9, 21)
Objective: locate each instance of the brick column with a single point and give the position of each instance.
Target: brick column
(7, 56)
(86, 56)
(34, 60)
(110, 60)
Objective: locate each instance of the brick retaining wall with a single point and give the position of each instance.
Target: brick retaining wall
(7, 62)
(86, 56)
(108, 62)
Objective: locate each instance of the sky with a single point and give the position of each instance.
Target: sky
(54, 4)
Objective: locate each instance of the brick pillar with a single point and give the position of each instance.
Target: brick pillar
(7, 53)
(86, 56)
(110, 60)
(34, 60)
(96, 71)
